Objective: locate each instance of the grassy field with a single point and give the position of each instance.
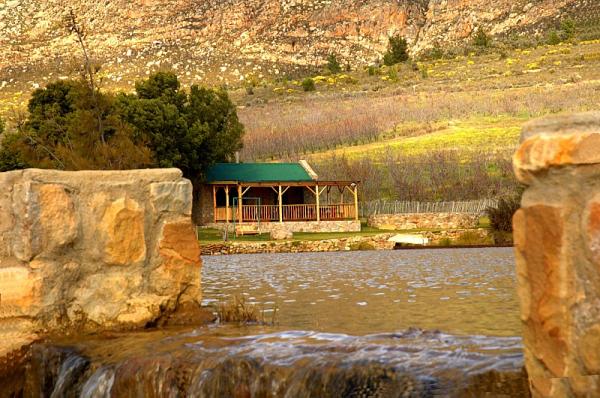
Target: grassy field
(499, 133)
(357, 108)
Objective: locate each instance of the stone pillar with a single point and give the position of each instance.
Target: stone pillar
(557, 245)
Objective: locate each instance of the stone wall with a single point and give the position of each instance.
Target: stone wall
(93, 250)
(377, 242)
(373, 242)
(557, 240)
(424, 221)
(300, 226)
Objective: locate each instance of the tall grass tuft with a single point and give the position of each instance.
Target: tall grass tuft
(237, 310)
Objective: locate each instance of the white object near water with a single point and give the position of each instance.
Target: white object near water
(409, 239)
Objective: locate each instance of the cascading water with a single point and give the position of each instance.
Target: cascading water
(218, 362)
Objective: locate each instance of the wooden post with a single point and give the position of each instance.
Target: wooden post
(280, 203)
(317, 194)
(214, 204)
(356, 202)
(227, 204)
(240, 204)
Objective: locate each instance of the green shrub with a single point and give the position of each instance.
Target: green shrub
(333, 65)
(393, 74)
(373, 70)
(501, 215)
(481, 38)
(397, 51)
(568, 28)
(308, 84)
(553, 38)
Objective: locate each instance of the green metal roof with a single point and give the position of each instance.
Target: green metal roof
(257, 172)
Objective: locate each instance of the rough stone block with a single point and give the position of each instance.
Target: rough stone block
(62, 233)
(171, 197)
(20, 292)
(539, 240)
(122, 227)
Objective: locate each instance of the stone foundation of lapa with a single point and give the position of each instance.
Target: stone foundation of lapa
(94, 251)
(295, 226)
(557, 239)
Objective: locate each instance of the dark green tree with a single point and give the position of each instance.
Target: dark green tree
(333, 65)
(397, 51)
(189, 130)
(69, 129)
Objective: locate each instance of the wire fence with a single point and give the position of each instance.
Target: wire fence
(367, 209)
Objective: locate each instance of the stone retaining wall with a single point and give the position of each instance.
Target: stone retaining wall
(300, 226)
(92, 250)
(424, 221)
(378, 242)
(557, 240)
(374, 242)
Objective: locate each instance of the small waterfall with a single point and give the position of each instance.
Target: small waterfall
(99, 384)
(222, 362)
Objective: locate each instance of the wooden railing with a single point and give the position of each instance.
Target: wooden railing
(304, 212)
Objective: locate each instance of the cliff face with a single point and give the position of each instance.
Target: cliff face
(233, 39)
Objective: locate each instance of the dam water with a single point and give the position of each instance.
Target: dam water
(422, 323)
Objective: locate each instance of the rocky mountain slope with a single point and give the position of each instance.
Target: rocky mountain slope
(233, 40)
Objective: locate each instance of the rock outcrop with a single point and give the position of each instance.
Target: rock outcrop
(232, 40)
(93, 251)
(557, 239)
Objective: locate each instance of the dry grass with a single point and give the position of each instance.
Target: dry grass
(521, 83)
(237, 310)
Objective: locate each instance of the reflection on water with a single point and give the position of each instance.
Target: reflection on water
(459, 291)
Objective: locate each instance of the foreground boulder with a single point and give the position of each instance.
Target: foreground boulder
(93, 251)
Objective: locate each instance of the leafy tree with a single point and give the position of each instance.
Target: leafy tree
(397, 51)
(189, 130)
(68, 129)
(333, 65)
(308, 84)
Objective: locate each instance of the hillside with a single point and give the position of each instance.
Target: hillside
(442, 126)
(229, 41)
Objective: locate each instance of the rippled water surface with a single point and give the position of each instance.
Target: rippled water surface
(423, 323)
(458, 291)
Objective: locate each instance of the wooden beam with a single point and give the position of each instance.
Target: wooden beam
(317, 194)
(240, 195)
(280, 204)
(214, 204)
(226, 206)
(356, 202)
